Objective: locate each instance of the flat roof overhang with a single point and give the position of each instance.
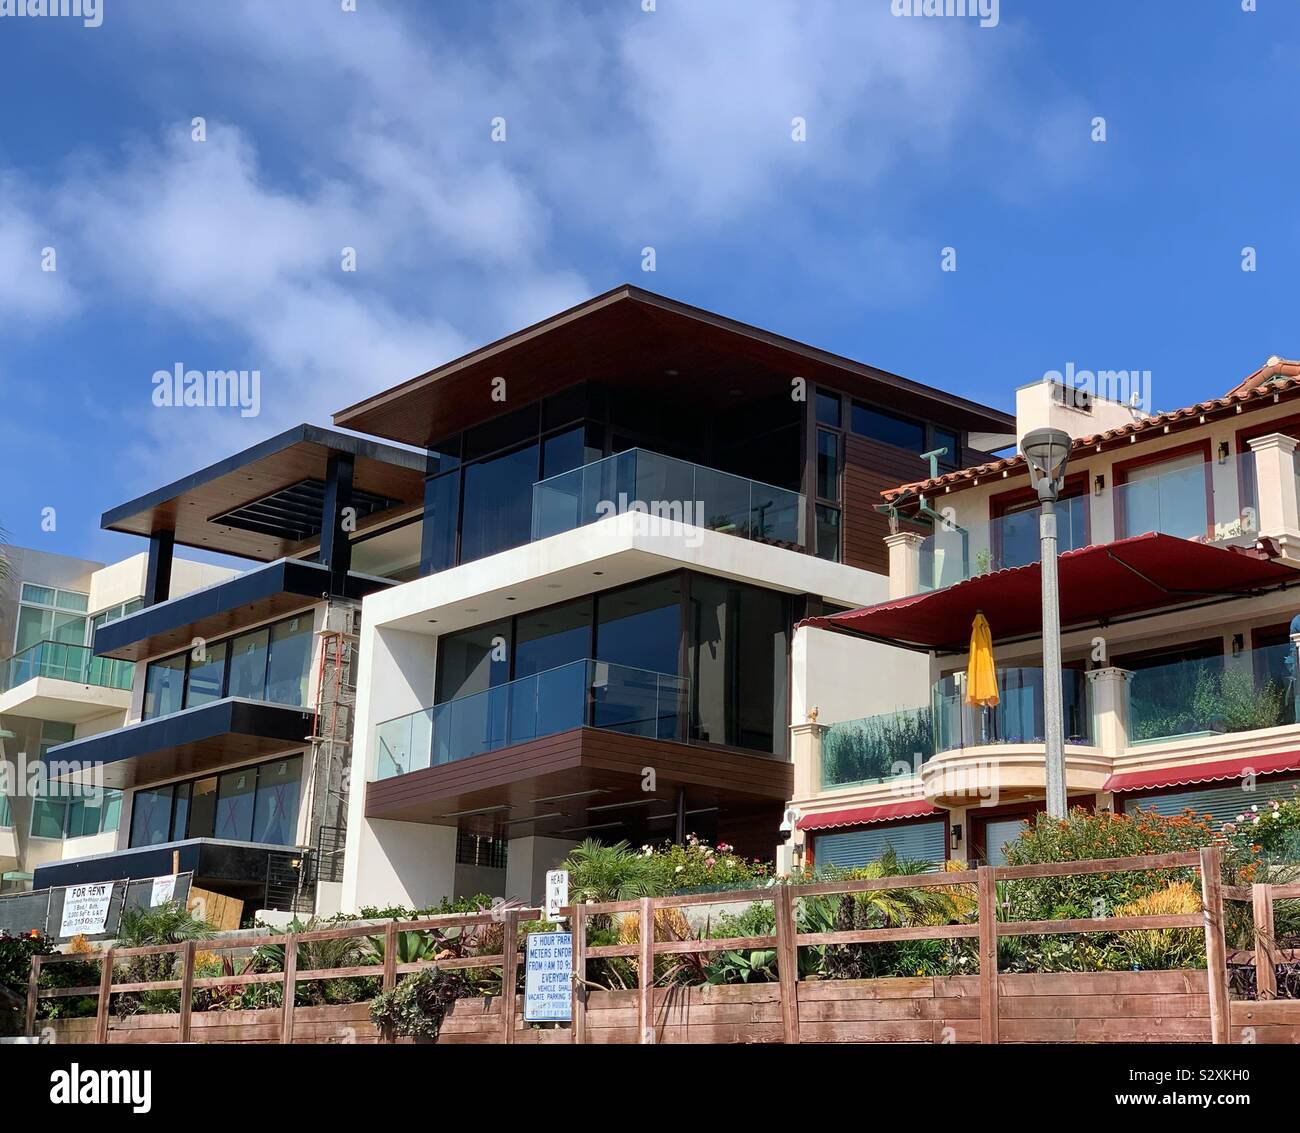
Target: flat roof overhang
(1132, 576)
(260, 484)
(210, 737)
(246, 599)
(646, 341)
(579, 779)
(208, 859)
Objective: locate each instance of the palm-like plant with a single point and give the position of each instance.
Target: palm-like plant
(169, 923)
(599, 873)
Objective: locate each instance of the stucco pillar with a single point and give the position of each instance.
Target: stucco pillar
(806, 753)
(1275, 488)
(1109, 690)
(904, 563)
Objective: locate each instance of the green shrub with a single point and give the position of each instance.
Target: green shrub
(418, 1004)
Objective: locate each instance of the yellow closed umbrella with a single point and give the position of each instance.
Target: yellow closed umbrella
(981, 675)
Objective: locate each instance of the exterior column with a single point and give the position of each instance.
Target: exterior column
(1275, 488)
(158, 570)
(336, 523)
(904, 563)
(806, 754)
(1110, 703)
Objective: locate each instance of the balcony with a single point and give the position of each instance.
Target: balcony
(1180, 502)
(54, 680)
(580, 694)
(1017, 718)
(671, 489)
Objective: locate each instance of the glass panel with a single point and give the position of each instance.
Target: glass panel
(639, 702)
(1018, 716)
(473, 661)
(290, 665)
(917, 841)
(901, 432)
(151, 813)
(828, 409)
(6, 811)
(202, 820)
(497, 503)
(40, 595)
(640, 626)
(235, 800)
(164, 687)
(181, 811)
(828, 533)
(69, 628)
(828, 465)
(69, 600)
(33, 626)
(205, 680)
(441, 511)
(110, 812)
(404, 744)
(554, 637)
(275, 812)
(946, 438)
(1169, 497)
(877, 748)
(248, 665)
(48, 815)
(565, 451)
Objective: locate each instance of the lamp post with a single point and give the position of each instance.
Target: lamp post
(1046, 452)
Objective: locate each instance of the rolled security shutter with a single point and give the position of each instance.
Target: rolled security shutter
(848, 849)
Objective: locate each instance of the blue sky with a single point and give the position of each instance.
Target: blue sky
(624, 129)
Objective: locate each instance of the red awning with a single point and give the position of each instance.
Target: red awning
(858, 816)
(1146, 572)
(1219, 771)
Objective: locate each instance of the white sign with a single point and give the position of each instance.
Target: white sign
(85, 909)
(548, 989)
(557, 892)
(164, 890)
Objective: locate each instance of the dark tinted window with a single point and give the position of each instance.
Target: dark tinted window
(829, 410)
(890, 428)
(235, 792)
(828, 465)
(946, 438)
(206, 676)
(441, 509)
(497, 512)
(151, 815)
(828, 533)
(554, 637)
(473, 660)
(640, 626)
(164, 687)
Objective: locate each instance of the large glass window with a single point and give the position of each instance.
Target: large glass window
(1168, 497)
(202, 811)
(828, 533)
(473, 660)
(290, 662)
(554, 637)
(151, 816)
(46, 613)
(738, 658)
(441, 519)
(640, 626)
(828, 409)
(828, 465)
(902, 432)
(236, 795)
(275, 806)
(248, 664)
(206, 676)
(1016, 536)
(497, 510)
(164, 687)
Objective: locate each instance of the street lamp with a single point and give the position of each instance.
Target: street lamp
(1046, 452)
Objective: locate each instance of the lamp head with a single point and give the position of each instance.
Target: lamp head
(1046, 452)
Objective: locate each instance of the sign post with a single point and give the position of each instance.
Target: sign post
(548, 989)
(557, 893)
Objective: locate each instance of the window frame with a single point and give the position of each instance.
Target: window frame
(1119, 476)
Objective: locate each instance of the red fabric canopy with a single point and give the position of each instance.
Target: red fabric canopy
(913, 808)
(1146, 572)
(1218, 771)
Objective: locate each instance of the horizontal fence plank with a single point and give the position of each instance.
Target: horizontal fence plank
(887, 935)
(1100, 924)
(884, 884)
(239, 981)
(1100, 865)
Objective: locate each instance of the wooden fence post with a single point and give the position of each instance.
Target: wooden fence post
(187, 990)
(509, 975)
(1261, 897)
(290, 987)
(105, 996)
(33, 994)
(787, 963)
(645, 1015)
(578, 1027)
(1216, 950)
(390, 955)
(990, 1024)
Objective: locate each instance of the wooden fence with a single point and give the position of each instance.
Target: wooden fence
(987, 1008)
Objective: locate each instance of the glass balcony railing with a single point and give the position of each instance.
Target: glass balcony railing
(1199, 696)
(1203, 501)
(582, 693)
(877, 748)
(64, 662)
(673, 490)
(1017, 718)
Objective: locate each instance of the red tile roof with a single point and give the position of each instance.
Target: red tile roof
(1277, 376)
